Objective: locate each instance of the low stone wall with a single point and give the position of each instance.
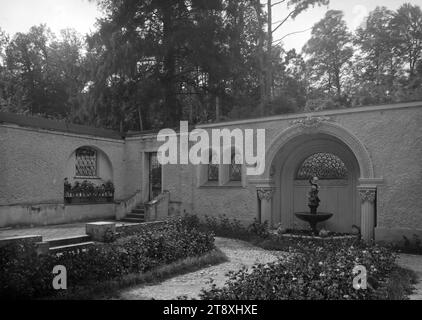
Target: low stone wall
(125, 206)
(20, 240)
(175, 208)
(50, 214)
(132, 229)
(396, 235)
(158, 209)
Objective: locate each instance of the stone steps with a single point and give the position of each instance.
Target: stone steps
(58, 242)
(134, 220)
(71, 247)
(137, 215)
(76, 243)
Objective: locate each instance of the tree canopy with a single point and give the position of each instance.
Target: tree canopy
(150, 64)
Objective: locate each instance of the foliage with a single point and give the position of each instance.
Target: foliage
(223, 226)
(259, 229)
(315, 270)
(88, 189)
(406, 27)
(330, 51)
(23, 274)
(411, 246)
(399, 285)
(152, 63)
(40, 73)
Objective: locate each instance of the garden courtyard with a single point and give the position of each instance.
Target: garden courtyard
(211, 150)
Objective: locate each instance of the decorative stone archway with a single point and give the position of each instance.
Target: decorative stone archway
(306, 129)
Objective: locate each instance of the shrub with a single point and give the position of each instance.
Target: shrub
(413, 246)
(233, 228)
(23, 274)
(318, 270)
(259, 229)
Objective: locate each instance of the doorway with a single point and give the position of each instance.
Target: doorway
(155, 176)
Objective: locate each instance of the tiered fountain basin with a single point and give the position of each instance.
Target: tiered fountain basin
(313, 219)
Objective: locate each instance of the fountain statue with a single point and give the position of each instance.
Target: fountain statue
(313, 218)
(313, 199)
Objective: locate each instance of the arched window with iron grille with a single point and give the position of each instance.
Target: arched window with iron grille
(212, 170)
(235, 170)
(86, 162)
(325, 166)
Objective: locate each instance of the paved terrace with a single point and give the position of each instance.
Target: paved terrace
(51, 232)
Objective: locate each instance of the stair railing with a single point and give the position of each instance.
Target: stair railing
(123, 207)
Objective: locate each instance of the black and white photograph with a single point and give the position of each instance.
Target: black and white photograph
(207, 158)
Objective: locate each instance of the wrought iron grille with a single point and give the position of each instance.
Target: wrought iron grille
(87, 192)
(235, 170)
(324, 166)
(86, 162)
(212, 172)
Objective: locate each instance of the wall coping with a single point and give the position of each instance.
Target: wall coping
(61, 133)
(404, 105)
(37, 124)
(60, 126)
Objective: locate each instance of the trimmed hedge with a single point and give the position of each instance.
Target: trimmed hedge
(23, 274)
(222, 226)
(316, 270)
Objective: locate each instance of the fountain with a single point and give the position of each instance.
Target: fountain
(313, 217)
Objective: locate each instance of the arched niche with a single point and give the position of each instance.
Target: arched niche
(338, 196)
(329, 129)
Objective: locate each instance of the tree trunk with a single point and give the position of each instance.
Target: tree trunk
(217, 108)
(261, 58)
(171, 107)
(269, 71)
(141, 125)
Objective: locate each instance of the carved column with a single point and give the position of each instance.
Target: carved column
(265, 194)
(367, 195)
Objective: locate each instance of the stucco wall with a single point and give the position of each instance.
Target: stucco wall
(50, 214)
(132, 162)
(34, 161)
(391, 135)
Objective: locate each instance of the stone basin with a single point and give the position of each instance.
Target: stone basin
(313, 218)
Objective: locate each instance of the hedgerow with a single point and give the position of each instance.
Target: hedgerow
(223, 226)
(23, 274)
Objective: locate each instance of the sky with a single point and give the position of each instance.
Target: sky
(354, 13)
(20, 15)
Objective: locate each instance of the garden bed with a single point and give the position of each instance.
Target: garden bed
(23, 274)
(319, 271)
(320, 267)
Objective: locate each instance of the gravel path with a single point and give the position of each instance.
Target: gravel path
(239, 254)
(413, 262)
